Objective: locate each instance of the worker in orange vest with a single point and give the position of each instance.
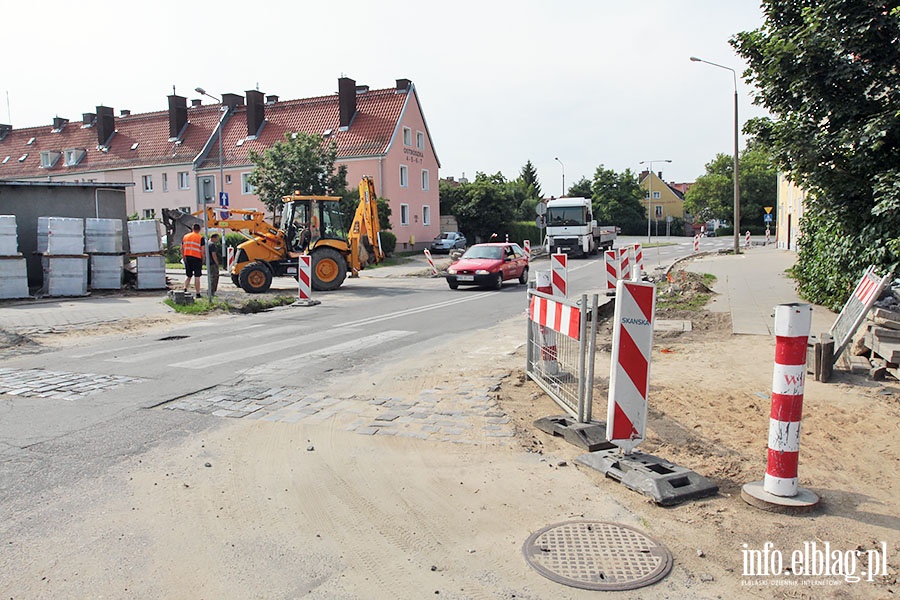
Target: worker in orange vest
(192, 250)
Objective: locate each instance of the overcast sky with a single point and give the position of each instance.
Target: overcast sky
(590, 82)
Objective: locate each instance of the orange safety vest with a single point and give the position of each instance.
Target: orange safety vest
(190, 245)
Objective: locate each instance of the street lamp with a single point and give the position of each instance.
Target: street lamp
(737, 172)
(563, 175)
(650, 190)
(224, 111)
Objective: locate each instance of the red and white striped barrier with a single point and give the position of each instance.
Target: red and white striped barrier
(792, 325)
(558, 317)
(697, 243)
(546, 335)
(624, 263)
(304, 277)
(559, 273)
(629, 379)
(639, 257)
(767, 236)
(229, 260)
(434, 270)
(747, 238)
(527, 244)
(611, 259)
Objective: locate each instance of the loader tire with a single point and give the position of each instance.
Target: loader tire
(329, 269)
(255, 278)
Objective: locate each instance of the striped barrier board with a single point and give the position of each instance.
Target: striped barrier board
(434, 270)
(697, 243)
(624, 264)
(527, 248)
(611, 260)
(558, 317)
(639, 257)
(229, 258)
(559, 273)
(629, 381)
(747, 238)
(304, 277)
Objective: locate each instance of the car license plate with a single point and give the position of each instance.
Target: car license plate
(465, 278)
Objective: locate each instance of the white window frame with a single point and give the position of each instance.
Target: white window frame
(246, 188)
(426, 185)
(149, 213)
(420, 140)
(404, 176)
(49, 158)
(404, 215)
(658, 210)
(426, 215)
(407, 136)
(73, 156)
(184, 180)
(147, 183)
(656, 195)
(165, 182)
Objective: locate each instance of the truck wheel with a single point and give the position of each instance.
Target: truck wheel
(329, 269)
(255, 278)
(234, 280)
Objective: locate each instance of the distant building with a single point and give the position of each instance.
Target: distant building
(172, 156)
(789, 208)
(667, 200)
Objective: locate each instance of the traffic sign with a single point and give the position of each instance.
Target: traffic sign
(540, 208)
(768, 209)
(540, 221)
(767, 218)
(223, 198)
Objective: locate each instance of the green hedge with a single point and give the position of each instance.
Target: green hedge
(388, 242)
(525, 230)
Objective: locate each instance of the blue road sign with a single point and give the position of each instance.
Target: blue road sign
(767, 218)
(223, 198)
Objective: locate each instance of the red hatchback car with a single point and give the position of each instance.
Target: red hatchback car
(489, 265)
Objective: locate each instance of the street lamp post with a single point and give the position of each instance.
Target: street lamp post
(650, 192)
(563, 177)
(224, 111)
(737, 171)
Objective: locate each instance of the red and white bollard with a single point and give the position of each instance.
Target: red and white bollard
(527, 248)
(229, 260)
(559, 273)
(545, 335)
(629, 377)
(747, 238)
(304, 281)
(434, 270)
(697, 243)
(767, 236)
(611, 259)
(779, 489)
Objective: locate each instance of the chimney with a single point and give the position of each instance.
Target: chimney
(87, 119)
(272, 99)
(232, 101)
(125, 112)
(403, 85)
(346, 100)
(256, 112)
(196, 102)
(177, 116)
(4, 131)
(106, 125)
(59, 123)
(659, 174)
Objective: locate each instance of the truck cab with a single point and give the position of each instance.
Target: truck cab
(571, 228)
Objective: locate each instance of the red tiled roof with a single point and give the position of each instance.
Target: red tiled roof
(370, 132)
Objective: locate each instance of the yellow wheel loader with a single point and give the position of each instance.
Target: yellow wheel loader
(309, 225)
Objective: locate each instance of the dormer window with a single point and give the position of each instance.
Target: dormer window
(73, 156)
(49, 158)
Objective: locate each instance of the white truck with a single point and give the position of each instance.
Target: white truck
(572, 229)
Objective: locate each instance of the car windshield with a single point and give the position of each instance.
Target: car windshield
(566, 215)
(443, 236)
(494, 252)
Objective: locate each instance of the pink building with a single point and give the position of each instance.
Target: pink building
(172, 156)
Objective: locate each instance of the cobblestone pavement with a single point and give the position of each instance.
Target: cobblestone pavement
(466, 414)
(39, 383)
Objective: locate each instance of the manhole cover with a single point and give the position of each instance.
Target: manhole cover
(594, 555)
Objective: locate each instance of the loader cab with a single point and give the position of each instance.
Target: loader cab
(308, 220)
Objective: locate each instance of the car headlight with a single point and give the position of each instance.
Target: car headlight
(482, 272)
(451, 271)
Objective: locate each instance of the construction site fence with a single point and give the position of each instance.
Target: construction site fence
(560, 364)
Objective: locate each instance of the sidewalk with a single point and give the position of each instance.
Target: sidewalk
(749, 286)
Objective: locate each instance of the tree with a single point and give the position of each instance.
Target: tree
(827, 71)
(712, 196)
(301, 161)
(530, 182)
(617, 200)
(581, 189)
(527, 192)
(488, 207)
(450, 193)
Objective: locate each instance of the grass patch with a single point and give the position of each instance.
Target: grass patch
(203, 305)
(392, 261)
(686, 292)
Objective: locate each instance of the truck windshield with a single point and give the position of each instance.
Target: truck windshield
(566, 215)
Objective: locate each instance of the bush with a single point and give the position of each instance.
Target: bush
(388, 242)
(233, 240)
(173, 255)
(524, 230)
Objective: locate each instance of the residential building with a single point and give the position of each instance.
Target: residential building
(667, 201)
(789, 207)
(172, 156)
